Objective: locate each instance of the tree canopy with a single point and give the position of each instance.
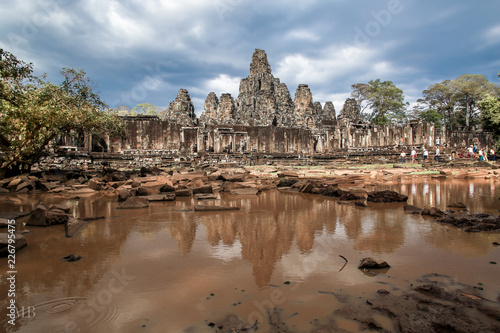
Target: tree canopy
(385, 100)
(35, 112)
(457, 101)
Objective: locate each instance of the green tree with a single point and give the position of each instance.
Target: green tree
(147, 109)
(432, 116)
(35, 112)
(490, 116)
(468, 90)
(385, 100)
(440, 97)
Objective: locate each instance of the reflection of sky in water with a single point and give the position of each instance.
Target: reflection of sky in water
(226, 252)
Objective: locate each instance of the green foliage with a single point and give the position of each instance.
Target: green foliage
(145, 109)
(470, 89)
(35, 112)
(457, 100)
(432, 116)
(385, 100)
(490, 116)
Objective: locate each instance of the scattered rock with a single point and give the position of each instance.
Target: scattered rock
(386, 196)
(459, 205)
(161, 197)
(20, 242)
(167, 188)
(183, 193)
(145, 191)
(371, 263)
(289, 174)
(433, 211)
(124, 195)
(43, 217)
(205, 196)
(332, 191)
(348, 196)
(72, 258)
(244, 191)
(29, 185)
(207, 208)
(412, 209)
(203, 189)
(306, 188)
(287, 182)
(472, 222)
(237, 177)
(134, 202)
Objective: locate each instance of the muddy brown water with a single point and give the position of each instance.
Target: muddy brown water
(169, 269)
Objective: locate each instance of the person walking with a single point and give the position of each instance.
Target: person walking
(481, 155)
(426, 154)
(403, 156)
(471, 151)
(492, 155)
(413, 155)
(436, 157)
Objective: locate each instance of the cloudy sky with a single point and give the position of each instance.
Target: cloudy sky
(145, 51)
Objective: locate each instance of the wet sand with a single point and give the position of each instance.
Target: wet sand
(166, 268)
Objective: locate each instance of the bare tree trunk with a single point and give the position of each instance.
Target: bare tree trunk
(467, 114)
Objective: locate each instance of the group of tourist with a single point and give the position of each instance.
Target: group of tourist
(472, 152)
(482, 155)
(425, 154)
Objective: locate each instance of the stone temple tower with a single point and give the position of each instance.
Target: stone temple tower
(263, 100)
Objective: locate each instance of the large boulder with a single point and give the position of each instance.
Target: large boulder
(168, 187)
(19, 243)
(237, 177)
(371, 263)
(134, 202)
(124, 195)
(28, 184)
(433, 211)
(331, 191)
(412, 209)
(348, 196)
(203, 189)
(44, 217)
(386, 196)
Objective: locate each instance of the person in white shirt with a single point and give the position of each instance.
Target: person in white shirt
(426, 154)
(436, 157)
(403, 155)
(413, 155)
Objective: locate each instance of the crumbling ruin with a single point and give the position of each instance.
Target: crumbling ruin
(264, 119)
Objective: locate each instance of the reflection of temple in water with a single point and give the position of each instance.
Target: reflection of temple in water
(270, 224)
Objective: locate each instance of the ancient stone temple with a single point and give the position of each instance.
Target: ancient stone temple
(264, 119)
(182, 109)
(264, 101)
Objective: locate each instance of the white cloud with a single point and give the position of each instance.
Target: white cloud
(493, 35)
(223, 84)
(302, 35)
(332, 63)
